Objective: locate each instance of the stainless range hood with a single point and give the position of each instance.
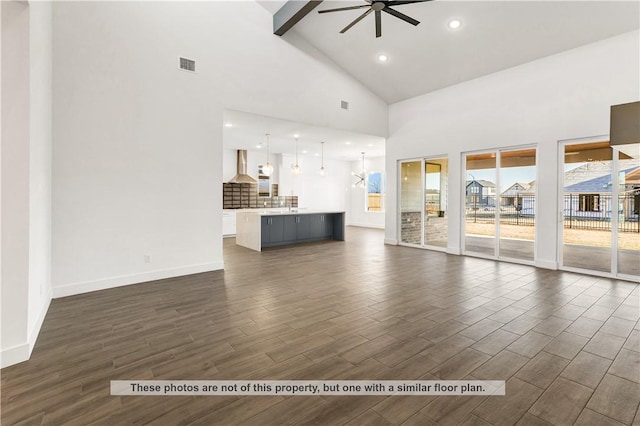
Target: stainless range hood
(242, 176)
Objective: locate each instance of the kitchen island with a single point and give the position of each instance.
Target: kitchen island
(269, 228)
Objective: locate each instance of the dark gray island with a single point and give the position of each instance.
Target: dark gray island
(270, 228)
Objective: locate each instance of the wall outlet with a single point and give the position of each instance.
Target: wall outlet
(147, 258)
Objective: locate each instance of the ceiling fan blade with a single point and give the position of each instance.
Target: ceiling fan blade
(400, 2)
(355, 21)
(378, 24)
(344, 8)
(400, 16)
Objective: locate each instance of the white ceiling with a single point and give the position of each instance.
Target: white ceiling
(494, 35)
(247, 131)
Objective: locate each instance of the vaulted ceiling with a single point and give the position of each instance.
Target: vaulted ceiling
(494, 35)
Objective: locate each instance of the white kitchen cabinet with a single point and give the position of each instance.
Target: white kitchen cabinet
(228, 223)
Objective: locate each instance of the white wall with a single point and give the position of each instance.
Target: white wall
(358, 214)
(40, 147)
(316, 192)
(137, 164)
(560, 97)
(15, 181)
(26, 175)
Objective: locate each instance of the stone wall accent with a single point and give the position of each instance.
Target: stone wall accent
(436, 229)
(411, 227)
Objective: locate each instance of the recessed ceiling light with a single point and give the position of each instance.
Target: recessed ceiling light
(228, 125)
(383, 58)
(304, 151)
(370, 144)
(454, 24)
(348, 143)
(259, 146)
(296, 135)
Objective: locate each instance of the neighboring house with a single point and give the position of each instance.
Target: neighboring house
(519, 197)
(481, 193)
(512, 196)
(588, 191)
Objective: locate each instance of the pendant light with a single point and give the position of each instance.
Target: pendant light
(267, 170)
(322, 171)
(295, 169)
(361, 177)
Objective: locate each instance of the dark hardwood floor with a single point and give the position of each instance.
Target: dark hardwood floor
(568, 345)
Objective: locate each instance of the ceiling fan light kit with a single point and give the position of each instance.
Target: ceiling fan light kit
(378, 6)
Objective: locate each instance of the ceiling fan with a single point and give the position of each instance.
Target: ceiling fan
(378, 6)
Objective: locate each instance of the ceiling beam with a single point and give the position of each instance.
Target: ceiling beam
(291, 13)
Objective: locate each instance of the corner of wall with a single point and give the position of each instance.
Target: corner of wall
(35, 331)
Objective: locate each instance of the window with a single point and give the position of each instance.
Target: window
(375, 192)
(263, 182)
(589, 203)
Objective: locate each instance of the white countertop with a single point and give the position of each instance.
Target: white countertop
(286, 212)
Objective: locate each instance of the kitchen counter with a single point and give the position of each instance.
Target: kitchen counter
(262, 228)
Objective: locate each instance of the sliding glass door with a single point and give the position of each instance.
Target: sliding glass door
(586, 206)
(480, 204)
(517, 204)
(423, 202)
(600, 190)
(435, 196)
(500, 204)
(411, 202)
(628, 215)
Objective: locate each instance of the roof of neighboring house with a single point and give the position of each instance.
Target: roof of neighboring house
(485, 183)
(596, 185)
(516, 189)
(594, 169)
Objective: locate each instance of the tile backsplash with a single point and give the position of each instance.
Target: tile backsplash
(245, 196)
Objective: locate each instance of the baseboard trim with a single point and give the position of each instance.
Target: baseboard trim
(366, 225)
(14, 355)
(391, 241)
(546, 264)
(22, 352)
(106, 283)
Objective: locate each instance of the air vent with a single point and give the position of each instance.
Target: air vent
(344, 105)
(187, 64)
